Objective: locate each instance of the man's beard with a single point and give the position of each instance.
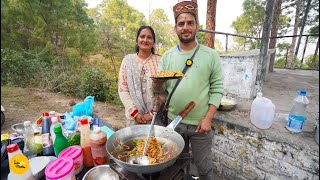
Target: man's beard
(186, 40)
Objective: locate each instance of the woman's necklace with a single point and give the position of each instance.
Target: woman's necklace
(143, 68)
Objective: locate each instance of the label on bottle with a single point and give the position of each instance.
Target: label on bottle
(99, 154)
(296, 122)
(46, 140)
(19, 164)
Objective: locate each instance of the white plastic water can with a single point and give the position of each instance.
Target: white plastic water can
(262, 112)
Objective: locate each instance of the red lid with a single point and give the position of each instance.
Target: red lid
(12, 147)
(84, 121)
(45, 114)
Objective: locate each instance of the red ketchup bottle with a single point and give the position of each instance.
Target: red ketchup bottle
(98, 140)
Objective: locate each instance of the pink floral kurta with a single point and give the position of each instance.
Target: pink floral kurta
(134, 84)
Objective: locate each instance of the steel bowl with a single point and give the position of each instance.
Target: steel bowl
(18, 128)
(101, 172)
(38, 165)
(227, 104)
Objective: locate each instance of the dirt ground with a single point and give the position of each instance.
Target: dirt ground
(23, 104)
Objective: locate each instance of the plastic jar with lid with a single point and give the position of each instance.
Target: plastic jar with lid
(98, 140)
(61, 168)
(74, 152)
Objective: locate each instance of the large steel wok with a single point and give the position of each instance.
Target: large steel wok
(166, 135)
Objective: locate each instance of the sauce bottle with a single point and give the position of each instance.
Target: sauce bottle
(47, 145)
(85, 143)
(18, 163)
(60, 142)
(98, 141)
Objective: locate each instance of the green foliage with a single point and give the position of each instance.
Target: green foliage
(57, 24)
(281, 62)
(119, 24)
(282, 48)
(309, 62)
(18, 71)
(165, 34)
(93, 82)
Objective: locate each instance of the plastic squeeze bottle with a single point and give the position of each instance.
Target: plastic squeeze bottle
(54, 122)
(297, 114)
(60, 142)
(98, 140)
(18, 163)
(29, 145)
(85, 143)
(47, 145)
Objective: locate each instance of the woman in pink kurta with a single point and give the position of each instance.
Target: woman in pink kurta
(134, 84)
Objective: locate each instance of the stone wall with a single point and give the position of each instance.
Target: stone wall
(241, 70)
(240, 153)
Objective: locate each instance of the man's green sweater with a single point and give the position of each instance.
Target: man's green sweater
(202, 82)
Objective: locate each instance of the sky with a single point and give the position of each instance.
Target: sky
(226, 12)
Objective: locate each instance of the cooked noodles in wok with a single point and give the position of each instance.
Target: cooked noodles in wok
(157, 151)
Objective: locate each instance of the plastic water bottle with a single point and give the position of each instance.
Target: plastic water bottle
(54, 122)
(29, 145)
(262, 112)
(297, 115)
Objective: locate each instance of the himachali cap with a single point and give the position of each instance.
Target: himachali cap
(185, 7)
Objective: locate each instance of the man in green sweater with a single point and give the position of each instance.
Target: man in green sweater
(202, 84)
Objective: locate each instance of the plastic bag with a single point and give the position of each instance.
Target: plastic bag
(83, 108)
(69, 123)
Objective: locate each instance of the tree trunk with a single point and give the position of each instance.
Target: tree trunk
(315, 55)
(211, 22)
(274, 31)
(295, 31)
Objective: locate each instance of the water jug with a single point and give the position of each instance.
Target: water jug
(297, 114)
(262, 112)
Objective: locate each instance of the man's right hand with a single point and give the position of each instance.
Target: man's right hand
(158, 84)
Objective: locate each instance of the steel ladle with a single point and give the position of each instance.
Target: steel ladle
(143, 159)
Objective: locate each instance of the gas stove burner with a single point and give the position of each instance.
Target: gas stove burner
(178, 170)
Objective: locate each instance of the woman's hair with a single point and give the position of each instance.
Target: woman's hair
(153, 36)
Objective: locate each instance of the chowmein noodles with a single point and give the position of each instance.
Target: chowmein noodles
(156, 150)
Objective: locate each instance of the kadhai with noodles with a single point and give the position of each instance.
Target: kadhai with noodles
(157, 151)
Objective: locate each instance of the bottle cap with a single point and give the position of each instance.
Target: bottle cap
(96, 121)
(303, 92)
(12, 147)
(27, 123)
(52, 112)
(54, 119)
(84, 121)
(96, 129)
(45, 114)
(57, 128)
(259, 94)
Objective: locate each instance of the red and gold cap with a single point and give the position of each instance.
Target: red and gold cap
(185, 7)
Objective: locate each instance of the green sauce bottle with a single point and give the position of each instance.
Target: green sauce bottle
(60, 143)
